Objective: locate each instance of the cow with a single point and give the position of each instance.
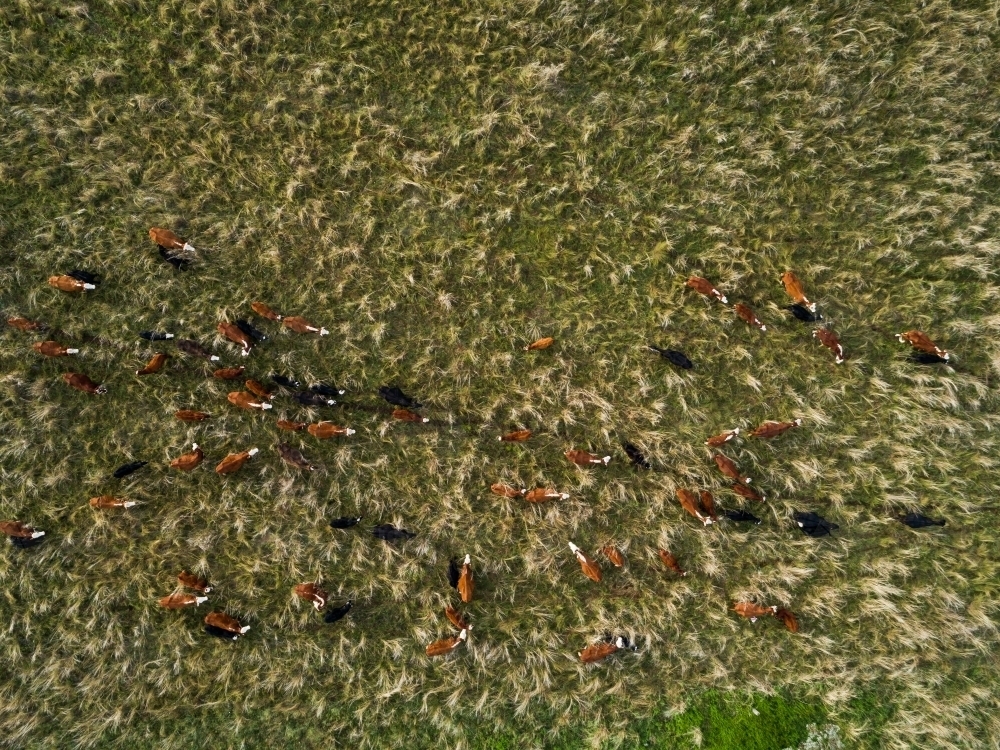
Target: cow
(723, 437)
(708, 505)
(455, 618)
(804, 314)
(789, 620)
(752, 611)
(674, 357)
(599, 651)
(613, 554)
(396, 397)
(81, 382)
(543, 494)
(224, 626)
(126, 469)
(324, 389)
(155, 336)
(635, 456)
(308, 398)
(235, 334)
(284, 424)
(540, 344)
(258, 389)
(925, 358)
(23, 324)
(583, 458)
(741, 516)
(447, 645)
(247, 328)
(728, 467)
(154, 365)
(770, 428)
(248, 401)
(922, 342)
(466, 584)
(293, 457)
(747, 315)
(743, 491)
(107, 501)
(813, 525)
(405, 415)
(704, 286)
(167, 240)
(389, 533)
(193, 581)
(337, 613)
(517, 436)
(176, 259)
(53, 349)
(21, 534)
(327, 430)
(312, 593)
(588, 566)
(918, 521)
(234, 461)
(689, 502)
(194, 349)
(189, 415)
(505, 490)
(264, 311)
(345, 522)
(66, 283)
(454, 573)
(180, 600)
(670, 561)
(284, 381)
(228, 373)
(301, 325)
(189, 461)
(794, 289)
(829, 339)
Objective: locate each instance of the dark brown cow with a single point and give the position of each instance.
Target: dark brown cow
(583, 458)
(301, 325)
(179, 601)
(704, 286)
(264, 311)
(193, 581)
(246, 400)
(312, 593)
(671, 562)
(228, 373)
(189, 461)
(770, 428)
(829, 339)
(53, 349)
(728, 467)
(922, 342)
(723, 437)
(81, 382)
(689, 502)
(590, 568)
(747, 315)
(233, 332)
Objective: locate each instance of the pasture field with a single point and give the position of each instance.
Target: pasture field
(438, 184)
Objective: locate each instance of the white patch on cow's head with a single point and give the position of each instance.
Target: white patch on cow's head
(199, 599)
(244, 629)
(468, 560)
(36, 534)
(253, 451)
(213, 358)
(266, 406)
(323, 332)
(349, 431)
(72, 351)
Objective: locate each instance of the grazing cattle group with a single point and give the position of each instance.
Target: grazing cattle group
(700, 505)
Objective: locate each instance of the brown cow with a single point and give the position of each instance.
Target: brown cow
(723, 437)
(82, 383)
(704, 286)
(154, 365)
(743, 491)
(770, 428)
(689, 502)
(53, 349)
(69, 284)
(829, 339)
(505, 490)
(167, 239)
(285, 424)
(747, 315)
(752, 611)
(583, 458)
(466, 585)
(228, 373)
(708, 505)
(107, 501)
(224, 622)
(728, 467)
(588, 566)
(518, 436)
(405, 415)
(598, 651)
(189, 461)
(447, 645)
(788, 619)
(232, 332)
(542, 494)
(179, 601)
(264, 311)
(246, 400)
(23, 324)
(301, 325)
(258, 389)
(455, 618)
(234, 461)
(312, 593)
(670, 561)
(19, 530)
(540, 344)
(922, 342)
(194, 582)
(187, 415)
(327, 430)
(794, 288)
(613, 554)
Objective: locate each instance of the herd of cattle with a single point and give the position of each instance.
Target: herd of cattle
(258, 396)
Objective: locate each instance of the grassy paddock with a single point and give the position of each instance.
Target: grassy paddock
(438, 184)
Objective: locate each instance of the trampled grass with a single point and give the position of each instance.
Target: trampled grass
(438, 185)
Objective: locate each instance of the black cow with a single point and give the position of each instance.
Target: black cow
(741, 516)
(389, 533)
(635, 456)
(155, 335)
(804, 314)
(345, 522)
(285, 382)
(813, 525)
(327, 390)
(673, 356)
(918, 521)
(130, 468)
(332, 615)
(249, 330)
(454, 572)
(394, 396)
(307, 398)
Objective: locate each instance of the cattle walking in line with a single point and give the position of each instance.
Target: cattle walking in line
(337, 613)
(258, 336)
(234, 461)
(155, 336)
(301, 325)
(744, 491)
(544, 343)
(245, 400)
(583, 458)
(789, 620)
(770, 428)
(313, 594)
(505, 490)
(544, 494)
(222, 625)
(396, 397)
(517, 436)
(747, 315)
(389, 533)
(635, 456)
(285, 382)
(169, 241)
(674, 357)
(613, 554)
(293, 457)
(154, 365)
(728, 467)
(345, 522)
(454, 573)
(181, 600)
(405, 415)
(804, 314)
(708, 505)
(455, 618)
(917, 520)
(590, 568)
(21, 534)
(192, 581)
(285, 424)
(829, 339)
(752, 611)
(66, 283)
(466, 584)
(689, 502)
(235, 334)
(130, 468)
(327, 430)
(325, 389)
(741, 516)
(82, 383)
(308, 398)
(922, 342)
(447, 645)
(795, 290)
(722, 438)
(104, 502)
(189, 415)
(670, 561)
(264, 311)
(194, 349)
(258, 389)
(53, 349)
(813, 525)
(26, 325)
(228, 373)
(705, 287)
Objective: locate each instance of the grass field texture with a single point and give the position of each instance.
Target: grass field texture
(439, 184)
